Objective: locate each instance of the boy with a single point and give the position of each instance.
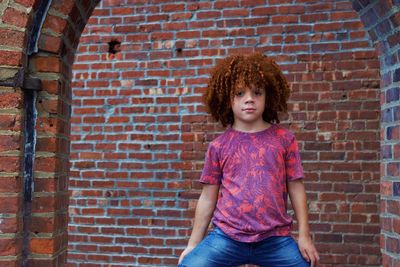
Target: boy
(249, 171)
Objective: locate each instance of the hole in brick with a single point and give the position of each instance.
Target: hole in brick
(179, 50)
(51, 125)
(36, 232)
(114, 46)
(40, 101)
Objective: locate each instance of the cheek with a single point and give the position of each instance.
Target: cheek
(233, 102)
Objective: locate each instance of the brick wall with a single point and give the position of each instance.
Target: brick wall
(135, 163)
(139, 131)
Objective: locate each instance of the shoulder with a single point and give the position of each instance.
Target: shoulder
(220, 140)
(286, 135)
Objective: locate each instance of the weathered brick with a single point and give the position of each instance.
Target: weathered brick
(11, 37)
(10, 58)
(10, 184)
(55, 24)
(50, 43)
(47, 64)
(15, 17)
(9, 246)
(42, 245)
(9, 164)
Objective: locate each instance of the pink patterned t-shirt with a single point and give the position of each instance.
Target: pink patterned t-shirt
(252, 170)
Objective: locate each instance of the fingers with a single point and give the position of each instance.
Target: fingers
(316, 257)
(313, 256)
(184, 253)
(305, 254)
(310, 255)
(182, 256)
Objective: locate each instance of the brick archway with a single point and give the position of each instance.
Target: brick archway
(381, 19)
(60, 36)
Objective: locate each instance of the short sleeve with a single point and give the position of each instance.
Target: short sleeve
(294, 169)
(212, 172)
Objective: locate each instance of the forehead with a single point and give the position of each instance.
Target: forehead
(242, 86)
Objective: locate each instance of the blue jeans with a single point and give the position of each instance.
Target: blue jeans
(219, 250)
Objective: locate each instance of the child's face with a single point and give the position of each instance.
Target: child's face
(248, 104)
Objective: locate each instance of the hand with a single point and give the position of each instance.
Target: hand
(308, 250)
(186, 251)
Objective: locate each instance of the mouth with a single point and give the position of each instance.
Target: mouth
(249, 109)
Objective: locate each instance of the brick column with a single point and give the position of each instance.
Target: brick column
(382, 20)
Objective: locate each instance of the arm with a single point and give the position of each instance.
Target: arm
(204, 211)
(298, 199)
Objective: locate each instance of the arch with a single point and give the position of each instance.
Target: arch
(60, 36)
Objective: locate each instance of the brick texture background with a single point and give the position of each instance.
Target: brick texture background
(138, 129)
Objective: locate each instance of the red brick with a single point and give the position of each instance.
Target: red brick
(42, 245)
(9, 164)
(235, 13)
(42, 224)
(27, 3)
(46, 144)
(55, 24)
(11, 225)
(9, 246)
(10, 58)
(64, 7)
(10, 184)
(48, 125)
(11, 38)
(44, 204)
(393, 207)
(50, 43)
(10, 122)
(47, 64)
(9, 142)
(393, 245)
(173, 7)
(396, 225)
(10, 99)
(45, 164)
(9, 204)
(225, 4)
(15, 17)
(46, 185)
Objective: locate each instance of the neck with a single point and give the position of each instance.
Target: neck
(253, 127)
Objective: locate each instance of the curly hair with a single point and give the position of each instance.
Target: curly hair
(254, 69)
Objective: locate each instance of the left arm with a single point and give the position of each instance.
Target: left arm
(298, 199)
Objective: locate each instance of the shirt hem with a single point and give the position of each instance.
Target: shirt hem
(282, 231)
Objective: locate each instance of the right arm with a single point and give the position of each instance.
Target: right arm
(204, 211)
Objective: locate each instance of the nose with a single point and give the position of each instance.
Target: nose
(248, 97)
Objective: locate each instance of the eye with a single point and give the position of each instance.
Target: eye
(258, 92)
(239, 93)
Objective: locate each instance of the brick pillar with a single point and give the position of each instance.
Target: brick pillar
(382, 20)
(12, 42)
(11, 122)
(52, 64)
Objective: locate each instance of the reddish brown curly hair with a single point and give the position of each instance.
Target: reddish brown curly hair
(254, 69)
